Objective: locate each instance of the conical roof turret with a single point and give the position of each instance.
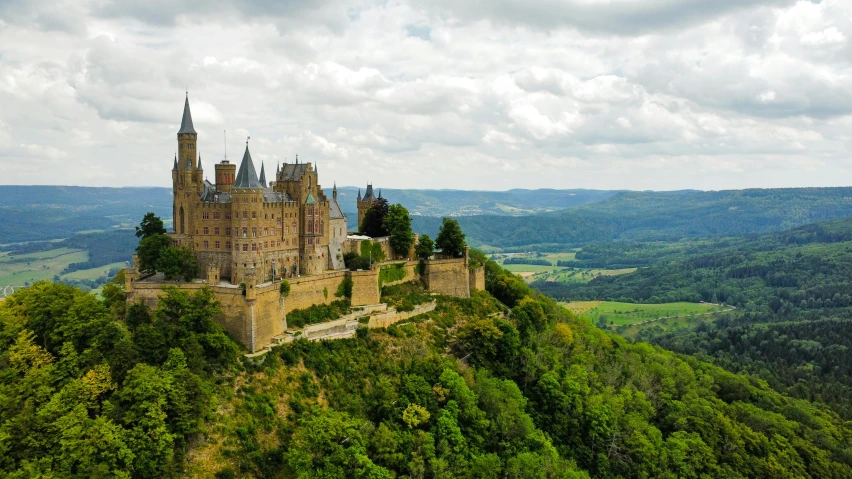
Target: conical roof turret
(246, 175)
(175, 167)
(262, 175)
(369, 194)
(186, 121)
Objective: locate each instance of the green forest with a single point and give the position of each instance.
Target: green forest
(506, 384)
(791, 291)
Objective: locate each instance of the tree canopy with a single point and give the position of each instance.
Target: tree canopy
(373, 223)
(398, 223)
(450, 238)
(151, 225)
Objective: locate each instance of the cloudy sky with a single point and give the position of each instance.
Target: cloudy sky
(474, 94)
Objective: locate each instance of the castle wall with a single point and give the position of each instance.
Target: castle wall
(365, 287)
(477, 279)
(412, 273)
(308, 290)
(448, 276)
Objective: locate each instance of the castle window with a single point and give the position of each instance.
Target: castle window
(206, 244)
(322, 227)
(245, 232)
(205, 215)
(279, 243)
(278, 222)
(294, 227)
(227, 245)
(310, 226)
(227, 231)
(254, 215)
(216, 230)
(266, 231)
(254, 246)
(287, 229)
(266, 244)
(216, 215)
(216, 244)
(206, 230)
(245, 215)
(266, 217)
(310, 241)
(245, 247)
(286, 242)
(254, 232)
(227, 216)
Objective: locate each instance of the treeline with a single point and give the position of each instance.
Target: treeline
(658, 216)
(103, 248)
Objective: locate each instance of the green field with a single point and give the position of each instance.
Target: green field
(44, 265)
(582, 275)
(619, 314)
(93, 273)
(530, 268)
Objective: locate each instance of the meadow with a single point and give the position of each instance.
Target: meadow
(20, 270)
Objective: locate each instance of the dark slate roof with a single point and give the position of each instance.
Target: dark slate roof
(369, 194)
(292, 171)
(200, 168)
(247, 176)
(209, 194)
(334, 210)
(175, 168)
(262, 175)
(186, 121)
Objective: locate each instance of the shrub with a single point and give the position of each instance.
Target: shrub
(284, 289)
(317, 313)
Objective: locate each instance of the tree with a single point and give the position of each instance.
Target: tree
(373, 223)
(425, 247)
(451, 238)
(178, 263)
(151, 225)
(149, 251)
(398, 223)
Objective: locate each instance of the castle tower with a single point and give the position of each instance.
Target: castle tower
(226, 174)
(187, 178)
(246, 220)
(365, 203)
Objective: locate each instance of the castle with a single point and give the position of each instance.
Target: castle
(243, 224)
(249, 235)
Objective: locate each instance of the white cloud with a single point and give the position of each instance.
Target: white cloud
(664, 94)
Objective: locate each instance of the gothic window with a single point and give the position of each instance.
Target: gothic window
(310, 241)
(181, 220)
(266, 244)
(266, 217)
(245, 215)
(287, 229)
(310, 226)
(254, 232)
(245, 232)
(294, 227)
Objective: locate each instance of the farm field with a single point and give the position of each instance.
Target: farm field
(620, 314)
(44, 265)
(530, 268)
(93, 273)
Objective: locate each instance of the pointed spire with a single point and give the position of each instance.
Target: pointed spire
(247, 176)
(359, 194)
(334, 191)
(369, 194)
(277, 168)
(186, 121)
(262, 175)
(380, 193)
(315, 168)
(175, 168)
(199, 162)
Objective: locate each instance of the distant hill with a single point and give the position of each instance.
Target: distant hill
(52, 212)
(655, 216)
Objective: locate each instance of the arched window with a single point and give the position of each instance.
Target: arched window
(294, 228)
(181, 220)
(310, 226)
(322, 227)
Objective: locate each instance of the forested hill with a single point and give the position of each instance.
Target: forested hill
(792, 290)
(469, 390)
(651, 216)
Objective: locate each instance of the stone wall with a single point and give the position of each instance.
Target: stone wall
(448, 276)
(365, 287)
(477, 279)
(412, 272)
(307, 291)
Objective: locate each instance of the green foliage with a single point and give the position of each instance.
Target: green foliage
(83, 394)
(398, 224)
(405, 296)
(425, 247)
(344, 289)
(178, 263)
(149, 251)
(284, 288)
(450, 238)
(476, 258)
(318, 313)
(151, 225)
(391, 273)
(540, 262)
(373, 223)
